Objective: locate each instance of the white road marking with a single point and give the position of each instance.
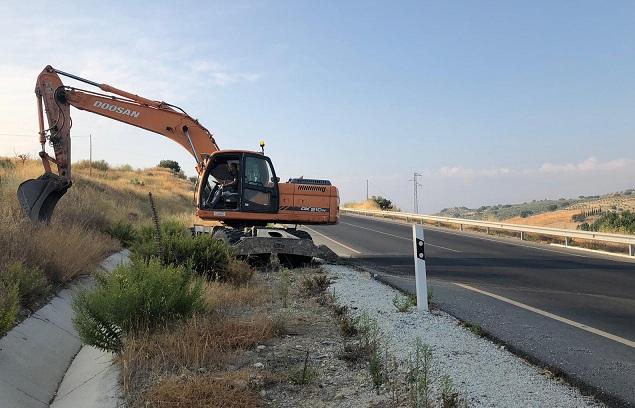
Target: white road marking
(331, 239)
(400, 237)
(564, 320)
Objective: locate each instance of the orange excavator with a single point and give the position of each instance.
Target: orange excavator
(237, 189)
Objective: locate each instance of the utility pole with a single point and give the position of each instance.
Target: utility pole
(366, 189)
(416, 186)
(90, 154)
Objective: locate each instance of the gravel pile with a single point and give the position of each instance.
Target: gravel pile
(486, 374)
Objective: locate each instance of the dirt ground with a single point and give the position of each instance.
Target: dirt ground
(312, 335)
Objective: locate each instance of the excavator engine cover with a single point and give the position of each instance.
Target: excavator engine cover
(39, 196)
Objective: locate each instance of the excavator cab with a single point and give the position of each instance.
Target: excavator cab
(239, 181)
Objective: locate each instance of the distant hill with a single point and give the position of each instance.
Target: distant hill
(556, 213)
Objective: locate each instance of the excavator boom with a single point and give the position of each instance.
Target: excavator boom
(39, 197)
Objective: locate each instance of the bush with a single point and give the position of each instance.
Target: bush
(6, 164)
(30, 281)
(126, 167)
(97, 164)
(525, 213)
(124, 232)
(203, 254)
(9, 306)
(136, 296)
(552, 207)
(613, 222)
(170, 164)
(383, 203)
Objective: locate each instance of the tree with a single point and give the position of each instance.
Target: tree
(383, 203)
(170, 164)
(23, 157)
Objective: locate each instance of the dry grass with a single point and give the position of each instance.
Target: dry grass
(218, 390)
(363, 205)
(554, 219)
(201, 342)
(223, 297)
(74, 243)
(182, 363)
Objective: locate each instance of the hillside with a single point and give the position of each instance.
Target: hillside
(34, 260)
(550, 213)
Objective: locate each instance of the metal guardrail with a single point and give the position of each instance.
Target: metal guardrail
(566, 234)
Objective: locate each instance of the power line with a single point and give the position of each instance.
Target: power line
(416, 186)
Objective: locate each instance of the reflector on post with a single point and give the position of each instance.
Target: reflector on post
(420, 267)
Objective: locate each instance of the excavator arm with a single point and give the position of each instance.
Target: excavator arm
(38, 197)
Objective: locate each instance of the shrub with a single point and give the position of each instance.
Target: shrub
(30, 281)
(404, 303)
(6, 163)
(203, 254)
(134, 297)
(552, 207)
(9, 306)
(383, 203)
(126, 167)
(97, 164)
(170, 164)
(525, 213)
(124, 232)
(316, 284)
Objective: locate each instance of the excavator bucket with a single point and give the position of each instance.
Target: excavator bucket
(39, 196)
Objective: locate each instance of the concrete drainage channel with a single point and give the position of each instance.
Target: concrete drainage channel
(43, 362)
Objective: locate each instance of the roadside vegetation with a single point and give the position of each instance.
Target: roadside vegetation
(623, 223)
(96, 216)
(373, 203)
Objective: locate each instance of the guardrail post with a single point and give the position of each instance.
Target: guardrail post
(487, 230)
(631, 250)
(461, 227)
(566, 241)
(522, 235)
(420, 267)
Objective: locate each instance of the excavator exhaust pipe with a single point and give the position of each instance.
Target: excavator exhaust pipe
(38, 197)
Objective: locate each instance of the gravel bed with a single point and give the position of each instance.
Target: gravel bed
(486, 374)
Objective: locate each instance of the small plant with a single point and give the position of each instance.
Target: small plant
(404, 303)
(304, 375)
(316, 284)
(284, 287)
(126, 167)
(135, 296)
(347, 325)
(376, 365)
(474, 328)
(124, 232)
(137, 182)
(449, 395)
(9, 306)
(6, 163)
(419, 378)
(31, 282)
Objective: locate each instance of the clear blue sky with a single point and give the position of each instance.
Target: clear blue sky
(493, 102)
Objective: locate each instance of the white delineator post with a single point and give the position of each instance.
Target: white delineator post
(420, 267)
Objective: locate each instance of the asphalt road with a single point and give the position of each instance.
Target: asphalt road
(584, 325)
